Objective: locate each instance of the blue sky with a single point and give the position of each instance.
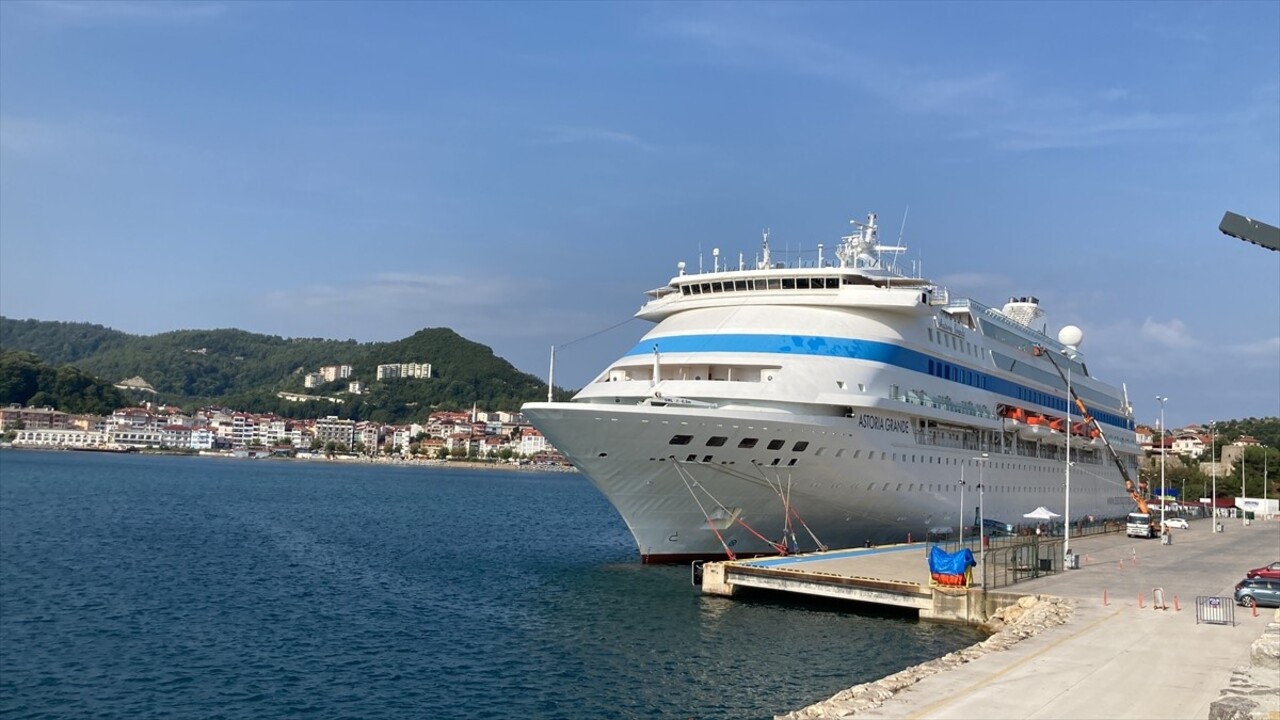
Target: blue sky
(523, 172)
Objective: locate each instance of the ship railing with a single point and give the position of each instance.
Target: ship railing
(963, 407)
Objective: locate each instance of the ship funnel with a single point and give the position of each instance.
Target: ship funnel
(1025, 311)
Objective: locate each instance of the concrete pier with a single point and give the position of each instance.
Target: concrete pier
(1120, 654)
(894, 575)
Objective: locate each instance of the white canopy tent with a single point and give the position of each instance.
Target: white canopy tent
(1041, 513)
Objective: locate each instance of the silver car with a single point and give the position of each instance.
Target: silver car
(1258, 591)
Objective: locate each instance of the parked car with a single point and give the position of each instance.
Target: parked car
(1266, 571)
(1180, 523)
(1258, 591)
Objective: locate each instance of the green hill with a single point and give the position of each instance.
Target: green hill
(245, 370)
(26, 380)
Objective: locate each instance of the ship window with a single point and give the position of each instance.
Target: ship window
(706, 458)
(833, 283)
(761, 284)
(717, 287)
(706, 288)
(802, 283)
(748, 443)
(680, 439)
(740, 285)
(800, 446)
(694, 289)
(774, 284)
(776, 444)
(788, 283)
(716, 441)
(776, 461)
(691, 458)
(684, 289)
(793, 462)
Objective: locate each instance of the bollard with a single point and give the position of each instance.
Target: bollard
(1104, 598)
(1255, 609)
(1176, 606)
(1121, 565)
(908, 538)
(1140, 600)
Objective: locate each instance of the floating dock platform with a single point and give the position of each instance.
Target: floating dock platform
(893, 575)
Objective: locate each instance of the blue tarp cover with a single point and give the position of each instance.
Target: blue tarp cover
(945, 563)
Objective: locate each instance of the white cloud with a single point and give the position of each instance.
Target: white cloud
(992, 103)
(1172, 334)
(1266, 349)
(564, 135)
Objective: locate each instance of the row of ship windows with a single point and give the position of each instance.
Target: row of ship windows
(745, 443)
(955, 343)
(803, 445)
(797, 283)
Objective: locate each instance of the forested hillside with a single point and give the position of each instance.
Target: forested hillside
(26, 380)
(245, 370)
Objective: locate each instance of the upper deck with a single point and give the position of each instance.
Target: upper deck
(857, 276)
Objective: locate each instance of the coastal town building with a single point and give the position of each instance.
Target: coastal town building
(531, 442)
(334, 429)
(59, 438)
(404, 370)
(473, 434)
(33, 418)
(331, 373)
(1189, 445)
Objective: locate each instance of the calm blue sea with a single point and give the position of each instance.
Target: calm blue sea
(166, 587)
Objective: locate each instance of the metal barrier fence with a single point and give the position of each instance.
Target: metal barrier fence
(1215, 610)
(1030, 558)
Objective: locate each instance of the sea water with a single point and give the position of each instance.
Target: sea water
(186, 587)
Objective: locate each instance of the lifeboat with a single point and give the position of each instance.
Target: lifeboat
(1037, 428)
(1014, 417)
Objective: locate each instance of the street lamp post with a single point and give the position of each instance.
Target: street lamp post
(1066, 510)
(961, 506)
(1243, 494)
(1213, 455)
(1163, 449)
(982, 520)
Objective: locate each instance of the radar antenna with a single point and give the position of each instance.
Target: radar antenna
(767, 260)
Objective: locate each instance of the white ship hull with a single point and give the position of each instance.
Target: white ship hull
(860, 399)
(850, 485)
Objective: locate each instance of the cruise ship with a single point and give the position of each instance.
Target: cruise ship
(779, 407)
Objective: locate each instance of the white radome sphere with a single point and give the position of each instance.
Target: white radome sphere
(1071, 336)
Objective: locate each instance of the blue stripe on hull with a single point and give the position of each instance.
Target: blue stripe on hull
(867, 350)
